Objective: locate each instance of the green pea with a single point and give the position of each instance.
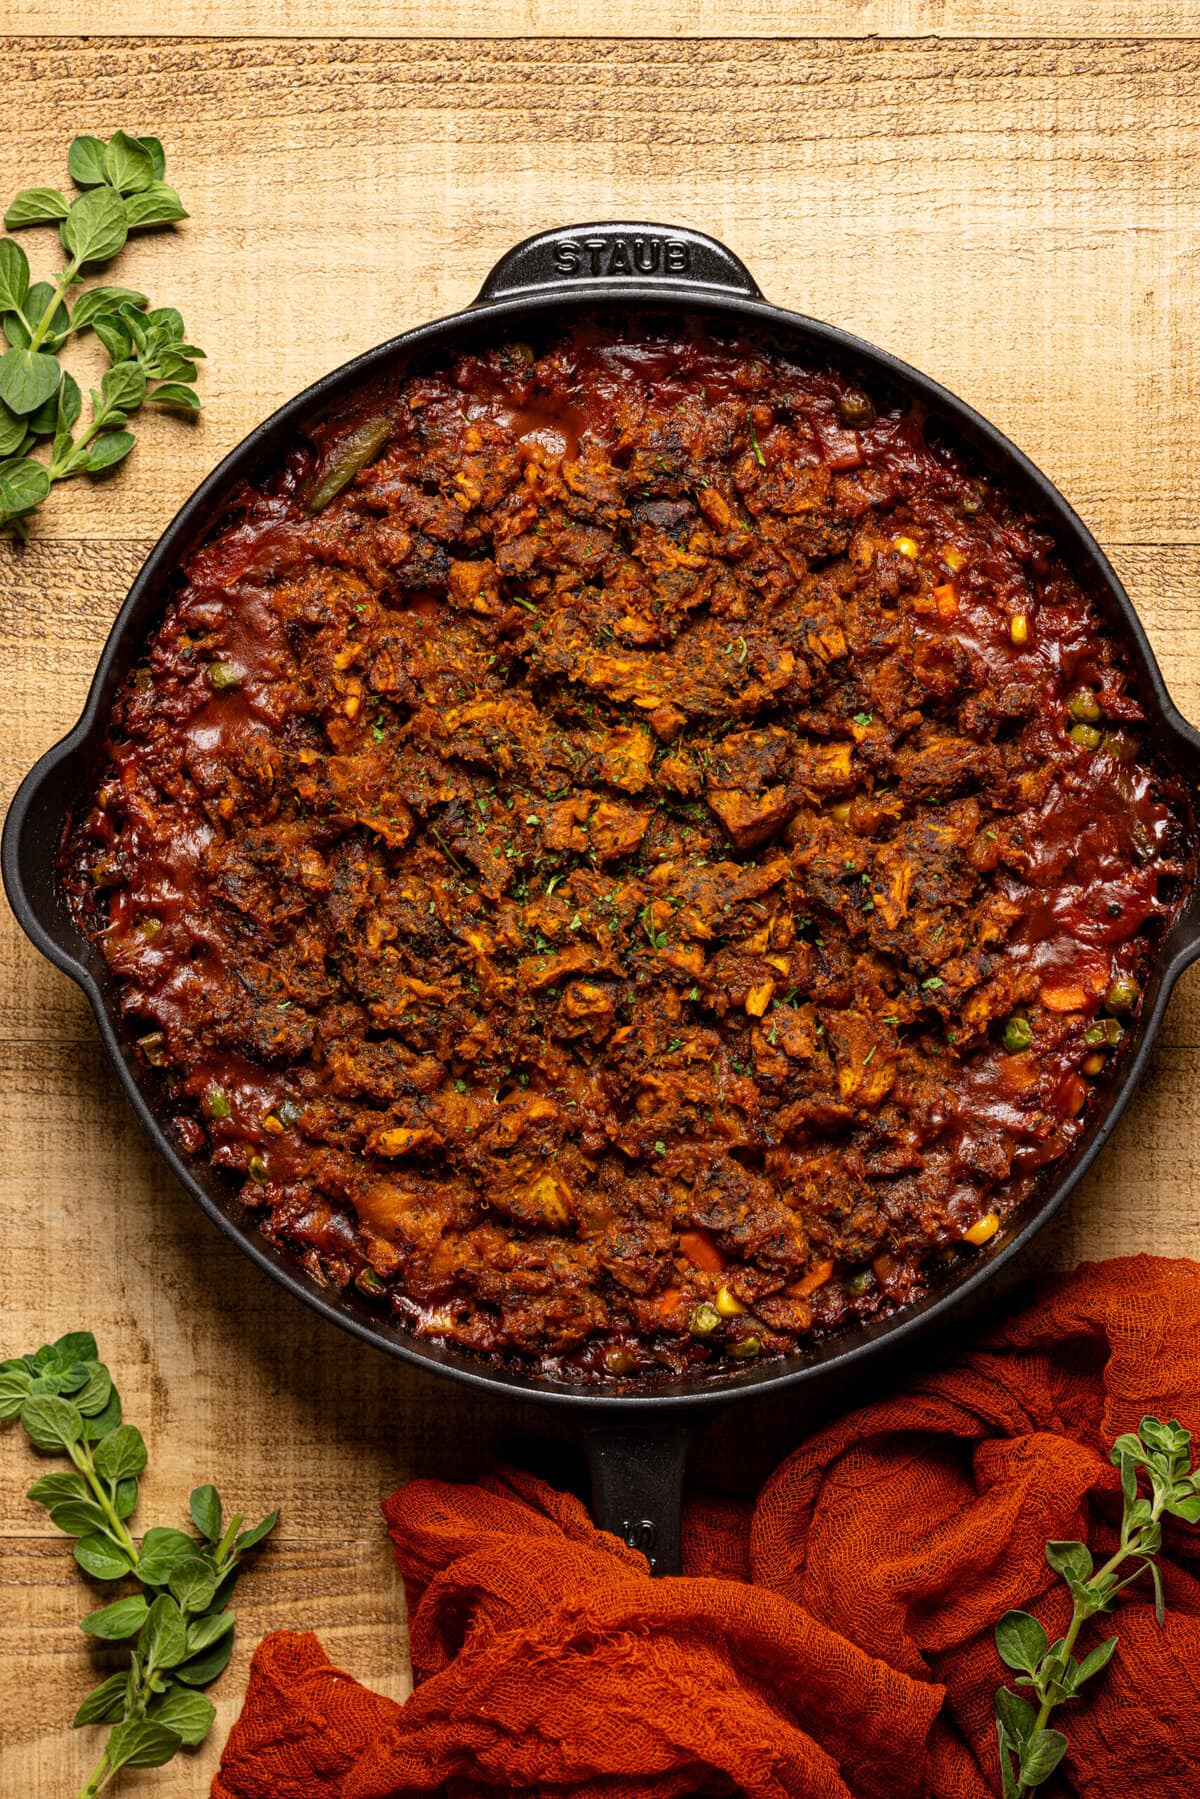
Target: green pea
(1122, 995)
(1086, 736)
(1084, 707)
(856, 408)
(223, 676)
(860, 1283)
(705, 1319)
(1018, 1035)
(745, 1349)
(1119, 745)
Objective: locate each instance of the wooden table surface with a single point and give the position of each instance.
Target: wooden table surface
(1004, 192)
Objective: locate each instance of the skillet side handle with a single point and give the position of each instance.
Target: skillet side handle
(637, 1487)
(611, 256)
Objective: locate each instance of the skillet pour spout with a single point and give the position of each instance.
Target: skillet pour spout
(637, 1434)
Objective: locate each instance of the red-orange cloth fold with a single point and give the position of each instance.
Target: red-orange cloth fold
(834, 1640)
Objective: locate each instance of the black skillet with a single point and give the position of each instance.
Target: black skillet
(635, 1441)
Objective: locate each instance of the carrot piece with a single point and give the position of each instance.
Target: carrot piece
(1063, 996)
(1072, 1095)
(816, 1277)
(947, 599)
(701, 1251)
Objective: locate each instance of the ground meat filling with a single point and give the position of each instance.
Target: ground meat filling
(634, 853)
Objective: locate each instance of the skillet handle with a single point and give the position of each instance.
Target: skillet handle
(637, 1487)
(607, 257)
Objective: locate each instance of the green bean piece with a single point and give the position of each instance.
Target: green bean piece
(860, 1283)
(1086, 736)
(368, 1282)
(355, 450)
(745, 1349)
(705, 1319)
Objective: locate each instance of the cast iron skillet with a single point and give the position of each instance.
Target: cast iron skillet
(635, 1441)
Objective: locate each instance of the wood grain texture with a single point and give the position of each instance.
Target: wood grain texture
(468, 19)
(1015, 216)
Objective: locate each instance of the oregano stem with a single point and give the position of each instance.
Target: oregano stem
(1081, 1611)
(83, 1461)
(43, 324)
(98, 1779)
(1078, 1615)
(61, 471)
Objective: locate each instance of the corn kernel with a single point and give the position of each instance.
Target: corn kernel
(1018, 628)
(953, 557)
(271, 1123)
(906, 547)
(1094, 1065)
(983, 1230)
(727, 1305)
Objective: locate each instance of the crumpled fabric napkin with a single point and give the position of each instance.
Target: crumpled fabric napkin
(832, 1640)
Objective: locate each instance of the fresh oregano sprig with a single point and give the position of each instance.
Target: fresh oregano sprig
(123, 190)
(179, 1622)
(1161, 1455)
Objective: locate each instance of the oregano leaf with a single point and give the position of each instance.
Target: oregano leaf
(100, 1556)
(204, 1504)
(85, 161)
(14, 275)
(157, 204)
(128, 165)
(36, 206)
(141, 1744)
(105, 1703)
(27, 377)
(96, 226)
(123, 1618)
(121, 1454)
(189, 1715)
(51, 1423)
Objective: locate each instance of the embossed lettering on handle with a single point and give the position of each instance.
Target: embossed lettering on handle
(640, 255)
(611, 256)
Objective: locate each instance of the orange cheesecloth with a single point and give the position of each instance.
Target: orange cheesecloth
(832, 1639)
